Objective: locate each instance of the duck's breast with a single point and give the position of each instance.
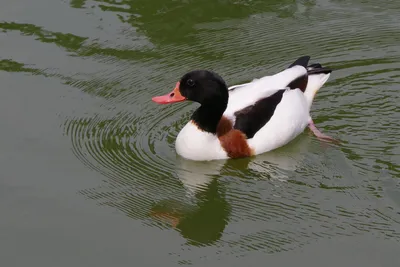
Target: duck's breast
(196, 144)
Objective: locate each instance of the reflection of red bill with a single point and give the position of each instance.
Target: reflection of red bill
(173, 97)
(172, 219)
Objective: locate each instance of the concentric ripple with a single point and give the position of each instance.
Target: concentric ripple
(125, 148)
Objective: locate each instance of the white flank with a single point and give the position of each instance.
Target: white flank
(290, 119)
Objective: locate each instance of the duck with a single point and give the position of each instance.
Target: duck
(246, 119)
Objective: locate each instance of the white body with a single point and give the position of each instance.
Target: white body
(290, 118)
(192, 143)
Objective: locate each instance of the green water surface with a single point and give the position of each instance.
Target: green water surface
(89, 173)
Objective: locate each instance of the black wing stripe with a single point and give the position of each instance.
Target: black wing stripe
(251, 119)
(300, 82)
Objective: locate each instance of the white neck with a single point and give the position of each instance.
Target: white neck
(195, 144)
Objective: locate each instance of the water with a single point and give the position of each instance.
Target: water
(90, 176)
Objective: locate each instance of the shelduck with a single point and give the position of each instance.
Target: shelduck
(246, 119)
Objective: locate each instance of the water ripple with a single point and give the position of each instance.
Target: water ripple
(276, 202)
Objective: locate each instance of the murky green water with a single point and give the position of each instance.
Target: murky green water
(89, 174)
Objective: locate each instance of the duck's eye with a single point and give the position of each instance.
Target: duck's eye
(190, 82)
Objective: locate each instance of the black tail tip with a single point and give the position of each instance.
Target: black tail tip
(314, 66)
(320, 70)
(302, 61)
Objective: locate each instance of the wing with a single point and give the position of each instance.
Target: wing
(302, 61)
(252, 118)
(233, 87)
(252, 105)
(247, 94)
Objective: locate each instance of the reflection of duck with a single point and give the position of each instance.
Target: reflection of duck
(202, 216)
(203, 221)
(246, 119)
